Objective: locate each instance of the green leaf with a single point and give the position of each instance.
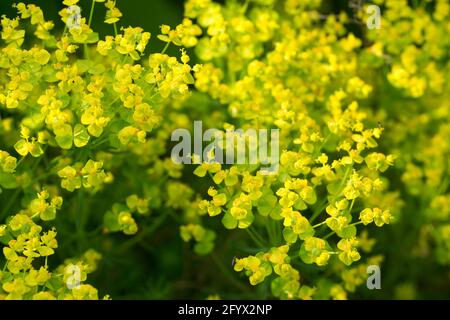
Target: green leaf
(8, 180)
(4, 62)
(277, 286)
(64, 136)
(80, 136)
(185, 235)
(200, 171)
(289, 235)
(189, 79)
(97, 68)
(36, 149)
(209, 235)
(310, 196)
(246, 222)
(347, 232)
(111, 221)
(276, 213)
(21, 147)
(300, 205)
(305, 255)
(334, 188)
(231, 180)
(84, 65)
(48, 214)
(204, 247)
(266, 204)
(45, 251)
(309, 232)
(54, 283)
(228, 221)
(92, 37)
(65, 142)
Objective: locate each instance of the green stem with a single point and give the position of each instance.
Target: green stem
(328, 235)
(41, 177)
(144, 233)
(165, 48)
(318, 211)
(79, 219)
(20, 161)
(258, 235)
(351, 206)
(91, 14)
(279, 232)
(273, 226)
(319, 224)
(344, 179)
(227, 273)
(255, 237)
(269, 232)
(10, 203)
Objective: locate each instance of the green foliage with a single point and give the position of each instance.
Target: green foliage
(88, 186)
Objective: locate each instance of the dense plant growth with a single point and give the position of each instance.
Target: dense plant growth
(88, 182)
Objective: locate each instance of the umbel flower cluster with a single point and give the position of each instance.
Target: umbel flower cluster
(85, 129)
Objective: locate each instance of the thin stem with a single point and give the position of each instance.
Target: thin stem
(227, 273)
(344, 179)
(254, 238)
(273, 227)
(20, 161)
(79, 218)
(165, 48)
(86, 51)
(146, 232)
(85, 46)
(355, 223)
(245, 6)
(328, 235)
(10, 203)
(258, 235)
(91, 14)
(41, 177)
(318, 211)
(319, 224)
(269, 232)
(351, 206)
(279, 232)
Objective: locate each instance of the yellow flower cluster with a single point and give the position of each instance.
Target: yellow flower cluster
(312, 86)
(363, 122)
(77, 104)
(25, 276)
